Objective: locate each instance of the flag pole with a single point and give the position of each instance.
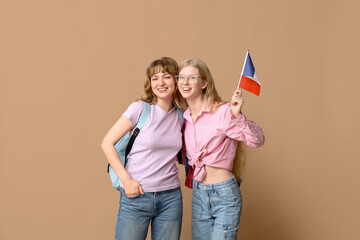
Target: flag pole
(242, 72)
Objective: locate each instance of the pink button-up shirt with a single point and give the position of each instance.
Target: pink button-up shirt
(212, 140)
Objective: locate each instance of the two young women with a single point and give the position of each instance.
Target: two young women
(150, 186)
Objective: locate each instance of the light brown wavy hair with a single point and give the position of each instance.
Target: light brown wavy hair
(162, 65)
(210, 96)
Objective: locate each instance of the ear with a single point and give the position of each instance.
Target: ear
(204, 84)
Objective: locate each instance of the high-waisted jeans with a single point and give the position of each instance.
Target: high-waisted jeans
(164, 209)
(216, 210)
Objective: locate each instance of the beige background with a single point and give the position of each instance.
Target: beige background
(69, 68)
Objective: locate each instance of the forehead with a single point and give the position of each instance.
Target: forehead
(159, 74)
(189, 70)
(157, 70)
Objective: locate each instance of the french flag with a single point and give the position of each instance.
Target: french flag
(248, 78)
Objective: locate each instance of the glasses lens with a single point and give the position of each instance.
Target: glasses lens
(193, 77)
(181, 78)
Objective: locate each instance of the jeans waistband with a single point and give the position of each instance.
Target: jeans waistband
(160, 192)
(226, 183)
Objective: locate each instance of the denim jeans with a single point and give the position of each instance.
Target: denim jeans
(216, 210)
(163, 209)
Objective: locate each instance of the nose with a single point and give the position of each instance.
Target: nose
(161, 80)
(186, 80)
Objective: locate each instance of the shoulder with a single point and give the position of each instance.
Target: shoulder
(223, 112)
(223, 108)
(137, 105)
(133, 111)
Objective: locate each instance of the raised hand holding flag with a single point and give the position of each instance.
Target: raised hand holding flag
(248, 78)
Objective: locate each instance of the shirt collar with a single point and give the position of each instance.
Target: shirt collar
(207, 107)
(157, 105)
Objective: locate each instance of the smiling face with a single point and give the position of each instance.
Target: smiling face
(163, 86)
(160, 81)
(190, 83)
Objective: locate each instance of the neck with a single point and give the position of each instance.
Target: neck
(165, 104)
(195, 106)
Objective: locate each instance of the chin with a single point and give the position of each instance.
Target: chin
(186, 95)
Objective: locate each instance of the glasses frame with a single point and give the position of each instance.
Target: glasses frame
(191, 80)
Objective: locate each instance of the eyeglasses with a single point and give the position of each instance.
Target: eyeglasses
(192, 78)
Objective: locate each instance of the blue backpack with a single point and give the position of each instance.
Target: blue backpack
(124, 145)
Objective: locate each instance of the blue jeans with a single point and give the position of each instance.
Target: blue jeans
(163, 209)
(216, 210)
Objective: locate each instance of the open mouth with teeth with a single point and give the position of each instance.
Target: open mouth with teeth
(162, 89)
(186, 89)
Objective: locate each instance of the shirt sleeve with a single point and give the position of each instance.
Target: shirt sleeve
(242, 129)
(133, 112)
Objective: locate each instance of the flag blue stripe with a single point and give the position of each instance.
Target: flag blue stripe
(249, 69)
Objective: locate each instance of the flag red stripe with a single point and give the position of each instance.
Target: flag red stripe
(249, 85)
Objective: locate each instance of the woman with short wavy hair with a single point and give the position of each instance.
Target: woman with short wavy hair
(149, 184)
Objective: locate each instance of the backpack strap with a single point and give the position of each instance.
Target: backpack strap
(142, 120)
(180, 112)
(144, 115)
(187, 166)
(181, 153)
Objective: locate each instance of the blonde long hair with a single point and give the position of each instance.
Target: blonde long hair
(162, 65)
(210, 96)
(239, 162)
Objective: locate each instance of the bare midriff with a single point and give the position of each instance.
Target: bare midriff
(216, 175)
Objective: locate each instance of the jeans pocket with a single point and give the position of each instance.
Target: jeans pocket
(229, 193)
(124, 194)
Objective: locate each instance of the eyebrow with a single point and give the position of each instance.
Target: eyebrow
(160, 73)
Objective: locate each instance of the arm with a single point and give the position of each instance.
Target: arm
(242, 129)
(121, 127)
(238, 127)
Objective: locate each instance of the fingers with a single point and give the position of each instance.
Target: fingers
(238, 92)
(237, 98)
(141, 190)
(132, 194)
(133, 188)
(236, 103)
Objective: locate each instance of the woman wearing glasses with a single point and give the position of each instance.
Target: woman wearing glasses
(212, 133)
(150, 188)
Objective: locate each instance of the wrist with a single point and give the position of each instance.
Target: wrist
(125, 179)
(237, 114)
(239, 119)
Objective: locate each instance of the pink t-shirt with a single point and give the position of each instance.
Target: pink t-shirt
(151, 161)
(212, 140)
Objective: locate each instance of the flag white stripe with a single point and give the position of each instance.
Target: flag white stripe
(255, 78)
(242, 72)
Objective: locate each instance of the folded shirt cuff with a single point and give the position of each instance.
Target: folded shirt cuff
(239, 120)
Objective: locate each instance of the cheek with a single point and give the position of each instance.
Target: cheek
(198, 87)
(153, 86)
(172, 84)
